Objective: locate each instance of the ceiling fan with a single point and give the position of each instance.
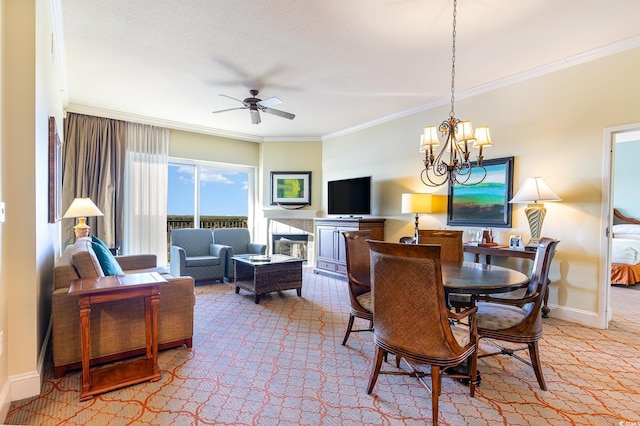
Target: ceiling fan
(255, 105)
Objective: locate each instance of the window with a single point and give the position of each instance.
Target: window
(209, 195)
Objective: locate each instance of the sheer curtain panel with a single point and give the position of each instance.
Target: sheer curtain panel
(145, 207)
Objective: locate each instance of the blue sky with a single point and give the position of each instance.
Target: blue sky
(222, 193)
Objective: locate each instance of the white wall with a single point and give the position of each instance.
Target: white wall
(554, 127)
(30, 94)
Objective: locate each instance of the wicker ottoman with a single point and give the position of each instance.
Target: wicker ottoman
(264, 274)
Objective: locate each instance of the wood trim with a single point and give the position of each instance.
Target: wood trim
(625, 219)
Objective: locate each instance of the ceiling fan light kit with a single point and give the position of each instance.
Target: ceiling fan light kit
(255, 105)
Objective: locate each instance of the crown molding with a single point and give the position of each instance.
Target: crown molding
(293, 139)
(608, 50)
(135, 118)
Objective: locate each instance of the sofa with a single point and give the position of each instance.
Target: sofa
(117, 328)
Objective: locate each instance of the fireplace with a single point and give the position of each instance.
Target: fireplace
(290, 244)
(291, 232)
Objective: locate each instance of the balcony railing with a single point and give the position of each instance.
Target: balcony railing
(210, 222)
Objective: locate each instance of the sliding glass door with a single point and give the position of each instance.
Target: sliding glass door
(209, 195)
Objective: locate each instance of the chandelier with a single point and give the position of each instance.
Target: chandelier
(451, 162)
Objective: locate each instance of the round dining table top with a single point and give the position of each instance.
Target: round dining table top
(479, 278)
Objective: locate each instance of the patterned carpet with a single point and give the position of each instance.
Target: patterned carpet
(281, 363)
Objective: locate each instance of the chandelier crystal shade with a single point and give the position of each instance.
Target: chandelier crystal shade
(449, 160)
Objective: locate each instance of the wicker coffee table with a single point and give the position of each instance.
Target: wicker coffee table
(264, 274)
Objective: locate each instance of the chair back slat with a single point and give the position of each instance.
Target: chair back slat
(357, 256)
(541, 265)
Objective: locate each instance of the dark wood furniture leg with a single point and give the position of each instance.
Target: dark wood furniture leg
(85, 336)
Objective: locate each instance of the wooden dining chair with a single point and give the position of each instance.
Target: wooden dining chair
(452, 251)
(412, 320)
(359, 279)
(448, 239)
(519, 320)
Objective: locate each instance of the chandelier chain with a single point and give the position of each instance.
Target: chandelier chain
(453, 59)
(447, 147)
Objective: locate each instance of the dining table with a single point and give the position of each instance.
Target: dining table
(472, 279)
(477, 278)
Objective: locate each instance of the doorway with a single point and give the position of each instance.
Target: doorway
(617, 185)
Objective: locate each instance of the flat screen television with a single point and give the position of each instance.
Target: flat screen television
(349, 196)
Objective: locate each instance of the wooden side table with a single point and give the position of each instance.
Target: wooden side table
(108, 289)
(502, 251)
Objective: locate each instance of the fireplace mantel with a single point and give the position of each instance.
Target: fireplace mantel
(281, 213)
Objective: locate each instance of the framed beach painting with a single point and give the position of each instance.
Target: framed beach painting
(290, 188)
(486, 203)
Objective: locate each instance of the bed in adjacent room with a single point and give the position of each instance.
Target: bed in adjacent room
(625, 250)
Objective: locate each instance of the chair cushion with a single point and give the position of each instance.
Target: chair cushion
(461, 334)
(202, 261)
(495, 316)
(365, 301)
(109, 264)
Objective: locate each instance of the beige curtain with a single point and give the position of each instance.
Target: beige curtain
(93, 166)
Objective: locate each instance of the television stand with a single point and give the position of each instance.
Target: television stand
(330, 254)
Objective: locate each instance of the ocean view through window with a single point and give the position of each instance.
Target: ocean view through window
(208, 195)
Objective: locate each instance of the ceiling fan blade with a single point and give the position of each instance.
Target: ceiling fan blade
(269, 102)
(227, 96)
(255, 116)
(225, 110)
(279, 113)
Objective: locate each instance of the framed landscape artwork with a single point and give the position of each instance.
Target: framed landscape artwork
(486, 203)
(290, 188)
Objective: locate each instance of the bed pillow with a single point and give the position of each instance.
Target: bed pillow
(109, 264)
(622, 252)
(626, 230)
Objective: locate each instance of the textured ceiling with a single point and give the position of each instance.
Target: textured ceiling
(336, 64)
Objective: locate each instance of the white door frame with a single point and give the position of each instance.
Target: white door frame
(608, 167)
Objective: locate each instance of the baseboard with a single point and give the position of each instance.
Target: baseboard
(5, 400)
(586, 318)
(28, 384)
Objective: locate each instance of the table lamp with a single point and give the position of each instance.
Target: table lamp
(416, 203)
(534, 192)
(82, 208)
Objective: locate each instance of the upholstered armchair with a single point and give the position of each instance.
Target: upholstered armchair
(237, 241)
(194, 253)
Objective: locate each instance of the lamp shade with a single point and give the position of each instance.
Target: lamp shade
(82, 207)
(483, 137)
(464, 132)
(416, 203)
(533, 190)
(429, 139)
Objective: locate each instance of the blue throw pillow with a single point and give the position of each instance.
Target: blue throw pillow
(110, 265)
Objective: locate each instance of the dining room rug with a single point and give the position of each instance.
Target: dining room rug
(281, 362)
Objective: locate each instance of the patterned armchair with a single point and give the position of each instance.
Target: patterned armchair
(238, 241)
(194, 253)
